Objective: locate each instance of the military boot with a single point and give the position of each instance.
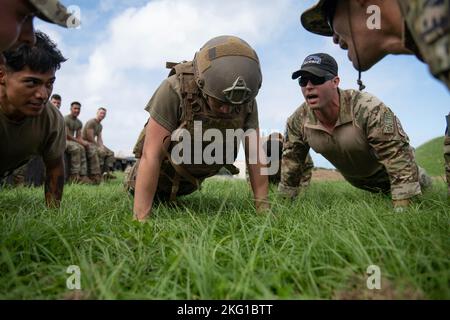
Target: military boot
(108, 176)
(18, 180)
(74, 178)
(425, 180)
(95, 178)
(85, 180)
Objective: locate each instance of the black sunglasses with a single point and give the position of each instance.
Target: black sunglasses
(317, 81)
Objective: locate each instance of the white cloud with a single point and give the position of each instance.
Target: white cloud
(145, 38)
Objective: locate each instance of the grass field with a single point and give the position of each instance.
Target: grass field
(430, 156)
(213, 246)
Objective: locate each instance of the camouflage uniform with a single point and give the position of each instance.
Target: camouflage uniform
(106, 158)
(105, 155)
(278, 140)
(55, 12)
(427, 34)
(77, 155)
(368, 146)
(80, 156)
(18, 175)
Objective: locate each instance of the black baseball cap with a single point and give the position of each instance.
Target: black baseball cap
(318, 64)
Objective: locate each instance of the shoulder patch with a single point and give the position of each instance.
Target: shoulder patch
(388, 123)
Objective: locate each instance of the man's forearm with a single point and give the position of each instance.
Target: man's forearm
(81, 141)
(291, 173)
(54, 183)
(70, 138)
(259, 183)
(146, 184)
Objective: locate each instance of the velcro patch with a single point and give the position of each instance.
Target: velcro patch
(312, 59)
(388, 123)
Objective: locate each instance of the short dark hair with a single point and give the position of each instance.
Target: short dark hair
(101, 108)
(75, 102)
(56, 97)
(42, 57)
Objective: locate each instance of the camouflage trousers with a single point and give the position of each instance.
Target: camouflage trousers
(77, 153)
(18, 175)
(305, 179)
(105, 157)
(81, 158)
(307, 168)
(380, 182)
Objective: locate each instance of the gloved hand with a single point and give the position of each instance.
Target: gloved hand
(401, 205)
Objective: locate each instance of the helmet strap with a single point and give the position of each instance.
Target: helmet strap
(359, 81)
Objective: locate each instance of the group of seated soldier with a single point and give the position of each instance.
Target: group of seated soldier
(90, 160)
(87, 159)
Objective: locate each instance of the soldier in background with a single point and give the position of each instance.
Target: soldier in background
(92, 132)
(353, 130)
(217, 90)
(16, 20)
(56, 100)
(419, 27)
(81, 152)
(274, 142)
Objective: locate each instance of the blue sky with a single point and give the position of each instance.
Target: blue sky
(117, 60)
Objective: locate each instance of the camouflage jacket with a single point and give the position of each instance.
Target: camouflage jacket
(367, 138)
(427, 33)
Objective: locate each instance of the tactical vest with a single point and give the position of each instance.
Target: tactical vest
(185, 178)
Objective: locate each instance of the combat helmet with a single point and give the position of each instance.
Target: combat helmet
(227, 69)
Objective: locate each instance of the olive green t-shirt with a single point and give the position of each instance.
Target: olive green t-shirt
(92, 124)
(43, 135)
(72, 125)
(165, 106)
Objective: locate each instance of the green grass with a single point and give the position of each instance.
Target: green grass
(212, 245)
(430, 156)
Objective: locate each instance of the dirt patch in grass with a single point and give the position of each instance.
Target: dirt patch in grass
(326, 175)
(76, 295)
(389, 291)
